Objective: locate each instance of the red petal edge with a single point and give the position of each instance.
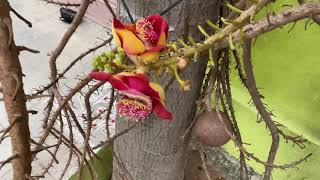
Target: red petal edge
(117, 83)
(117, 24)
(161, 112)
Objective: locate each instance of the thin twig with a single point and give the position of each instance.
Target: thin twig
(62, 74)
(21, 17)
(127, 10)
(8, 129)
(24, 48)
(204, 163)
(56, 114)
(170, 7)
(66, 37)
(225, 83)
(110, 8)
(89, 125)
(64, 4)
(110, 106)
(8, 160)
(252, 88)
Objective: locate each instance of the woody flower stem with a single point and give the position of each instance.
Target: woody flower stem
(250, 31)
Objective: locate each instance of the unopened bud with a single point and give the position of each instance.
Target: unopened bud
(185, 85)
(111, 55)
(141, 70)
(182, 63)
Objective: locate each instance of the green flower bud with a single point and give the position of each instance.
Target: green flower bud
(121, 53)
(118, 61)
(103, 54)
(111, 55)
(108, 67)
(103, 59)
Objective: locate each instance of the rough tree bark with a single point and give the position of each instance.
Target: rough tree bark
(14, 96)
(154, 150)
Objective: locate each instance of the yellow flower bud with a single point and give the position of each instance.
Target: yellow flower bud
(182, 63)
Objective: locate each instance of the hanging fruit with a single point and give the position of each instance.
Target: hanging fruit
(210, 131)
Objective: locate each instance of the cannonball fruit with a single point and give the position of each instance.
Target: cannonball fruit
(210, 131)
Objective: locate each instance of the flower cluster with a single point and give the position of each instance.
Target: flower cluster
(144, 44)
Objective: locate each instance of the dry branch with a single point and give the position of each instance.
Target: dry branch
(66, 37)
(57, 2)
(8, 160)
(14, 96)
(21, 17)
(60, 75)
(89, 125)
(24, 48)
(252, 88)
(56, 114)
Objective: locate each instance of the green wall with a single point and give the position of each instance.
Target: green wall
(287, 71)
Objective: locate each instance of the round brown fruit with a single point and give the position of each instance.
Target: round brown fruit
(210, 131)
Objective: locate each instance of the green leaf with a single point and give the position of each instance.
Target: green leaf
(103, 165)
(287, 71)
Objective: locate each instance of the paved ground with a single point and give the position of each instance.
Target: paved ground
(44, 36)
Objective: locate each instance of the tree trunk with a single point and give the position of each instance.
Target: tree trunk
(154, 149)
(13, 96)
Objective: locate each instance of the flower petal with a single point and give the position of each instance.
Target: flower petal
(160, 26)
(131, 27)
(129, 41)
(162, 41)
(161, 112)
(159, 23)
(114, 80)
(116, 38)
(138, 82)
(149, 57)
(157, 87)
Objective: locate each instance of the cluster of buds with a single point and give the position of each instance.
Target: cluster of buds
(109, 61)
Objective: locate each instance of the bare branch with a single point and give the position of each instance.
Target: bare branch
(170, 7)
(59, 76)
(110, 8)
(44, 148)
(64, 4)
(66, 37)
(24, 48)
(8, 129)
(21, 17)
(89, 120)
(204, 164)
(127, 10)
(8, 160)
(55, 115)
(296, 140)
(252, 88)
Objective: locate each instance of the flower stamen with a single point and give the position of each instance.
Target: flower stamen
(134, 106)
(146, 32)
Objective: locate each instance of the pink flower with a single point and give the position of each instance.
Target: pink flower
(140, 96)
(144, 40)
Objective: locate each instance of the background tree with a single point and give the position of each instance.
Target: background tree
(156, 148)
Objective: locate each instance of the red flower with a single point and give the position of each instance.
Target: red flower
(140, 96)
(144, 40)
